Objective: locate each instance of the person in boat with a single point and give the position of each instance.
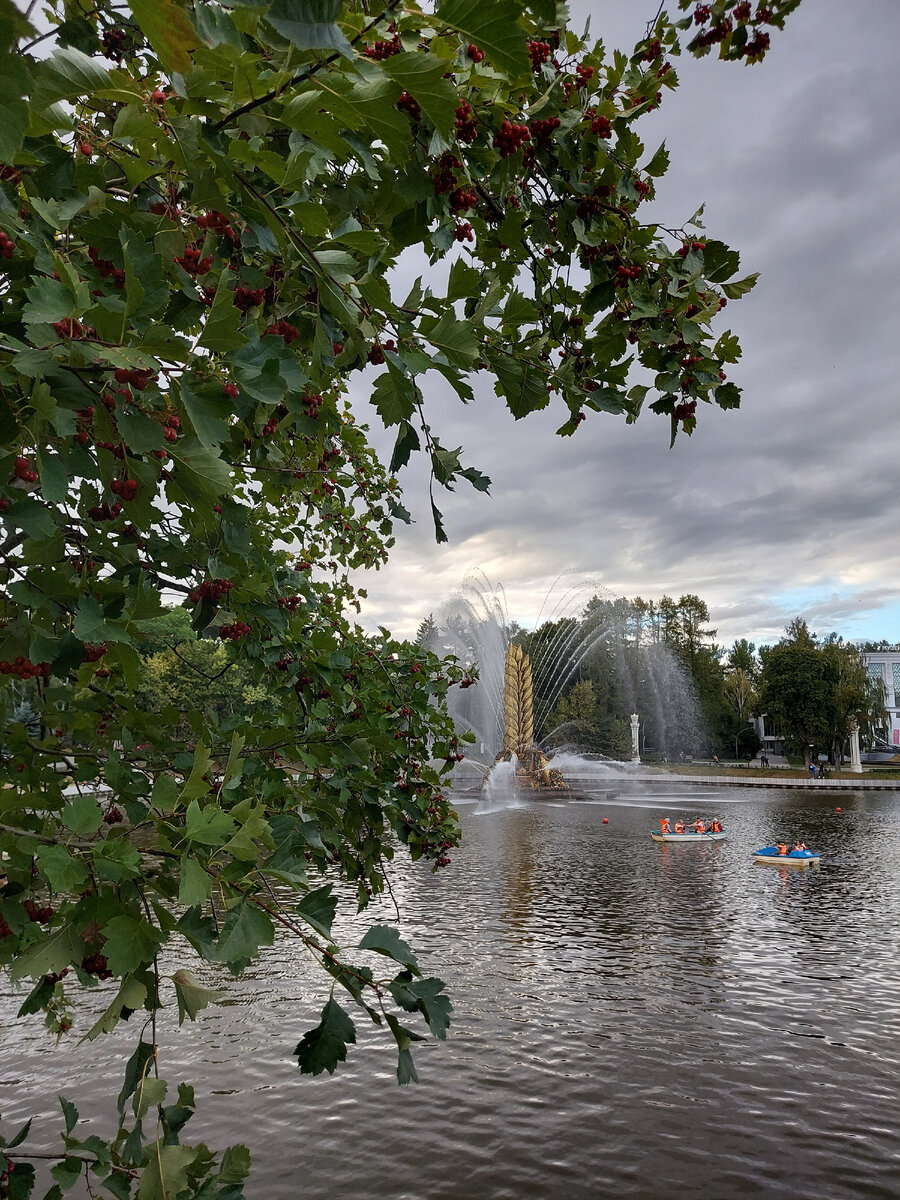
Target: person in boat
(781, 847)
(699, 827)
(800, 846)
(715, 825)
(679, 826)
(663, 824)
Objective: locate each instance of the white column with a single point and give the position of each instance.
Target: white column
(855, 762)
(635, 744)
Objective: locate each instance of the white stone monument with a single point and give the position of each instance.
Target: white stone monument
(635, 744)
(855, 761)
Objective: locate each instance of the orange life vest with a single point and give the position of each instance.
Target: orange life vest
(782, 847)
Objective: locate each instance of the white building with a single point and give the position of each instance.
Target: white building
(885, 665)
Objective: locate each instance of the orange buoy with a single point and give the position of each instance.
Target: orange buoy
(838, 809)
(606, 820)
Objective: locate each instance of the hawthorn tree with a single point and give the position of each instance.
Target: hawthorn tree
(200, 209)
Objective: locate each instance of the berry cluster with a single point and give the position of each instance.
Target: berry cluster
(376, 354)
(625, 274)
(684, 410)
(105, 512)
(312, 404)
(68, 327)
(171, 426)
(652, 51)
(716, 33)
(231, 390)
(642, 188)
(192, 263)
(93, 653)
(474, 53)
(290, 602)
(245, 297)
(382, 50)
(757, 45)
(234, 632)
(685, 250)
(463, 232)
(7, 246)
(742, 11)
(701, 14)
(461, 200)
(283, 329)
(445, 178)
(283, 663)
(509, 138)
(539, 53)
(106, 268)
(9, 174)
(125, 489)
(96, 964)
(210, 589)
(602, 126)
(220, 223)
(24, 470)
(542, 131)
(137, 377)
(466, 124)
(410, 106)
(41, 915)
(112, 816)
(24, 668)
(113, 43)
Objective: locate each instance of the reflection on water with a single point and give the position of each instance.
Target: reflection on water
(631, 1019)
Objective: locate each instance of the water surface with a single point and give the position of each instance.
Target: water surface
(631, 1019)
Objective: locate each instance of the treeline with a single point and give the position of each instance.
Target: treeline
(660, 659)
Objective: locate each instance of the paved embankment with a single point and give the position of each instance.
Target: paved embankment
(862, 783)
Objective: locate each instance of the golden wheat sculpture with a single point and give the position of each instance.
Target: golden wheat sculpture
(518, 703)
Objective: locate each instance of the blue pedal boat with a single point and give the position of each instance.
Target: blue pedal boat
(793, 858)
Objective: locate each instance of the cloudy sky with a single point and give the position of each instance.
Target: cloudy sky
(786, 507)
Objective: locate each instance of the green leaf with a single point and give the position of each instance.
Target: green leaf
(131, 995)
(246, 928)
(719, 262)
(220, 331)
(195, 883)
(135, 1070)
(454, 338)
(130, 943)
(208, 417)
(65, 873)
(659, 163)
(424, 995)
(82, 815)
(192, 996)
(207, 826)
(199, 931)
(740, 287)
(310, 24)
(169, 31)
(317, 908)
(150, 1094)
(493, 27)
(523, 385)
(322, 1048)
(196, 784)
(385, 940)
(394, 397)
(422, 75)
(15, 83)
(52, 953)
(165, 1174)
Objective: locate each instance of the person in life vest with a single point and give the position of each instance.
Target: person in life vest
(699, 827)
(715, 825)
(679, 826)
(663, 824)
(781, 847)
(800, 846)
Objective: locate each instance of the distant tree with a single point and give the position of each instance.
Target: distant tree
(857, 699)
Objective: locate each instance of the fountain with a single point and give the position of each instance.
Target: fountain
(515, 711)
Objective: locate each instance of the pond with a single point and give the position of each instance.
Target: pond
(631, 1019)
